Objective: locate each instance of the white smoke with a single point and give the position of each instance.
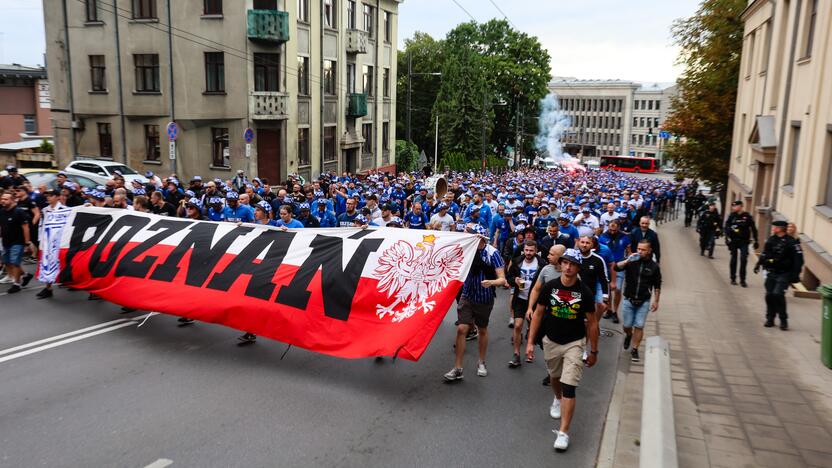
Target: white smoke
(553, 123)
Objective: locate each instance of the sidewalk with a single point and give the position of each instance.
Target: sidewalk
(744, 395)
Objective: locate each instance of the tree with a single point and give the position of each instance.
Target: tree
(703, 110)
(407, 156)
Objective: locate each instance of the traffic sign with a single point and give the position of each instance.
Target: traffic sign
(248, 135)
(172, 150)
(664, 134)
(173, 131)
(248, 150)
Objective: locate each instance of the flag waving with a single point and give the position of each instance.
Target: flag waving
(345, 292)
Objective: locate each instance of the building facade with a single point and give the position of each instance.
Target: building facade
(313, 79)
(613, 117)
(24, 103)
(781, 156)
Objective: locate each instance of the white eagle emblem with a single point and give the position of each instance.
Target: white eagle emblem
(412, 277)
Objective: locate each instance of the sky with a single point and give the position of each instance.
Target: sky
(587, 39)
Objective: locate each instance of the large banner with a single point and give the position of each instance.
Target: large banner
(345, 292)
(53, 224)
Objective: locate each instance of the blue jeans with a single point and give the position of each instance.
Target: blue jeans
(13, 254)
(632, 315)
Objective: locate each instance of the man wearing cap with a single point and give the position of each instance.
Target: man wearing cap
(13, 179)
(441, 220)
(739, 232)
(234, 212)
(777, 259)
(239, 181)
(563, 319)
(306, 217)
(476, 302)
(325, 217)
(568, 229)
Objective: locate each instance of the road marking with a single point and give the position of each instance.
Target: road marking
(160, 463)
(60, 337)
(55, 344)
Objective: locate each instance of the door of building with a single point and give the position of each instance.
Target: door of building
(268, 155)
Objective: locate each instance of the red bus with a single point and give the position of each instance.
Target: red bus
(629, 164)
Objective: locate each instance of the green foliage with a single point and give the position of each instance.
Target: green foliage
(703, 111)
(457, 161)
(407, 156)
(46, 147)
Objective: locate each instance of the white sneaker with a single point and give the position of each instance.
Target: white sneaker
(6, 279)
(554, 410)
(481, 370)
(562, 441)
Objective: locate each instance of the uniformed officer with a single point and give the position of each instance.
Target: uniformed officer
(708, 227)
(739, 232)
(778, 259)
(692, 205)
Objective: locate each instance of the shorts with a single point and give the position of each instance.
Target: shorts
(565, 362)
(632, 315)
(472, 313)
(599, 294)
(13, 254)
(619, 281)
(519, 307)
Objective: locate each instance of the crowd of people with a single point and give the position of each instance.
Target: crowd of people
(570, 247)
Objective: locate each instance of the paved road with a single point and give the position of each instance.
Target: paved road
(132, 396)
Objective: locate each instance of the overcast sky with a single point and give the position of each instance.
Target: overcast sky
(589, 39)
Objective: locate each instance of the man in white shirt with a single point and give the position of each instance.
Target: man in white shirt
(609, 215)
(441, 220)
(386, 216)
(587, 222)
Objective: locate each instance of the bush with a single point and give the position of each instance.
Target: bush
(46, 147)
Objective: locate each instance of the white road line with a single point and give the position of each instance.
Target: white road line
(160, 463)
(55, 344)
(60, 337)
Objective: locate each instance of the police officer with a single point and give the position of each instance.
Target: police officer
(778, 259)
(692, 205)
(708, 228)
(739, 232)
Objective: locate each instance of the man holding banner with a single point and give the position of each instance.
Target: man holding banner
(54, 219)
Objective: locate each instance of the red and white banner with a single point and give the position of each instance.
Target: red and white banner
(345, 292)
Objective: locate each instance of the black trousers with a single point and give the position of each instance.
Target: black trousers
(707, 239)
(776, 285)
(738, 253)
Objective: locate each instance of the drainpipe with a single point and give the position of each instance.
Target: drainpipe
(120, 86)
(170, 77)
(785, 112)
(323, 92)
(72, 144)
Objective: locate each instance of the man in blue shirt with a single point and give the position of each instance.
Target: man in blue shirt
(234, 212)
(477, 301)
(325, 217)
(347, 218)
(567, 228)
(416, 219)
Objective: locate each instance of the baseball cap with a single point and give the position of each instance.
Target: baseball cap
(232, 195)
(215, 201)
(265, 206)
(61, 173)
(360, 219)
(780, 224)
(139, 191)
(197, 178)
(395, 220)
(736, 203)
(193, 202)
(303, 206)
(479, 229)
(572, 255)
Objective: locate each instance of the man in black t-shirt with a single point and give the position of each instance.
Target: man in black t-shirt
(14, 230)
(563, 318)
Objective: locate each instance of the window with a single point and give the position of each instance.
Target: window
(329, 77)
(794, 153)
(749, 53)
(388, 27)
(220, 155)
(151, 142)
(30, 124)
(92, 10)
(635, 139)
(214, 72)
(827, 200)
(766, 47)
(643, 123)
(368, 80)
(812, 14)
(351, 78)
(368, 20)
(147, 72)
(641, 140)
(212, 7)
(635, 121)
(265, 4)
(385, 82)
(329, 13)
(266, 72)
(351, 14)
(303, 147)
(303, 10)
(650, 105)
(658, 104)
(329, 143)
(144, 9)
(635, 105)
(105, 140)
(385, 136)
(656, 121)
(303, 75)
(367, 133)
(98, 73)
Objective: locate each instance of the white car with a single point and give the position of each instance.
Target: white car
(102, 171)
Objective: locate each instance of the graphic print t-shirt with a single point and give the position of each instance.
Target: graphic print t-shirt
(527, 272)
(564, 310)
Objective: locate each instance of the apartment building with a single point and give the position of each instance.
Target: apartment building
(313, 79)
(613, 117)
(781, 155)
(24, 103)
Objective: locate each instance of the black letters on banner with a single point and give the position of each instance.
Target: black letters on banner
(204, 257)
(83, 221)
(260, 285)
(99, 269)
(129, 267)
(338, 285)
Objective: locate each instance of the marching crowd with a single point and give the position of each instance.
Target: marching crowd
(572, 247)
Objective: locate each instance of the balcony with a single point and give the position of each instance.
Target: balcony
(268, 26)
(356, 105)
(268, 105)
(356, 41)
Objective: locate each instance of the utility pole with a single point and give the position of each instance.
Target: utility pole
(409, 90)
(484, 115)
(517, 136)
(436, 146)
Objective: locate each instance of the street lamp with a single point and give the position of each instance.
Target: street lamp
(485, 108)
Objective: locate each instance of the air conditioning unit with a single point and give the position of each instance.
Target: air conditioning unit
(78, 124)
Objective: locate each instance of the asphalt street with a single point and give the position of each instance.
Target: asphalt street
(123, 395)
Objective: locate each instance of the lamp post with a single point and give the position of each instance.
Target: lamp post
(485, 108)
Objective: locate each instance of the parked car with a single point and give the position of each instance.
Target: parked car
(102, 171)
(38, 177)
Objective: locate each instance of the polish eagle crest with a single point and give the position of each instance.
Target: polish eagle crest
(412, 275)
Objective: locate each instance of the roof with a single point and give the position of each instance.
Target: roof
(20, 145)
(656, 87)
(21, 71)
